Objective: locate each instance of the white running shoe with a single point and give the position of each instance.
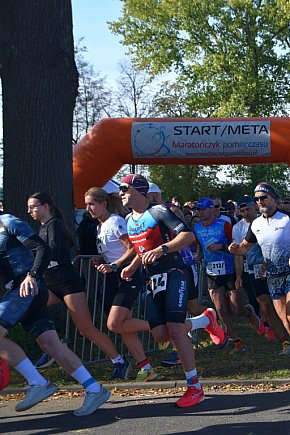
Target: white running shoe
(92, 402)
(35, 394)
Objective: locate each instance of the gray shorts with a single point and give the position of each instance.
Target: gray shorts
(278, 286)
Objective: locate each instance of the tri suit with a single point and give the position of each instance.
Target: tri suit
(169, 276)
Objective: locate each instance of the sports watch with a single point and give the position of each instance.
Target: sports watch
(33, 274)
(114, 267)
(165, 249)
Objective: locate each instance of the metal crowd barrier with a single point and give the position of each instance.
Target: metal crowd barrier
(94, 285)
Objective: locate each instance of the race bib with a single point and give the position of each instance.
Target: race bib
(256, 268)
(246, 267)
(216, 268)
(158, 283)
(101, 247)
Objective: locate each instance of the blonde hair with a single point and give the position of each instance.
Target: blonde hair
(113, 200)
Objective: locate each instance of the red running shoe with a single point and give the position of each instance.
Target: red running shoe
(191, 397)
(215, 331)
(269, 334)
(262, 329)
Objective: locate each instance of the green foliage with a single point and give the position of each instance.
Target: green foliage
(231, 56)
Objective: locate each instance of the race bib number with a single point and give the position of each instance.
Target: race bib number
(216, 268)
(246, 267)
(101, 247)
(256, 270)
(158, 283)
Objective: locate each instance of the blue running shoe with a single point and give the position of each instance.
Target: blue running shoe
(172, 359)
(44, 361)
(92, 402)
(35, 394)
(121, 370)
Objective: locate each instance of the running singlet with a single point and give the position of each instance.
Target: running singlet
(156, 226)
(273, 235)
(254, 258)
(219, 262)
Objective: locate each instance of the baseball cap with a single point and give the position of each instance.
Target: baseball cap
(205, 203)
(153, 188)
(245, 201)
(136, 181)
(267, 188)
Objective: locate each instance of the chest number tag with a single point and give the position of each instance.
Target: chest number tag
(216, 268)
(256, 270)
(158, 283)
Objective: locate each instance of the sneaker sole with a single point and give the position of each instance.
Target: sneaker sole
(47, 394)
(149, 378)
(45, 365)
(170, 364)
(99, 403)
(189, 406)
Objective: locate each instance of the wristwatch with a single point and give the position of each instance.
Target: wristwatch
(165, 249)
(33, 274)
(114, 267)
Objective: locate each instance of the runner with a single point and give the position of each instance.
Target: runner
(214, 236)
(62, 279)
(161, 242)
(271, 231)
(247, 275)
(25, 302)
(117, 251)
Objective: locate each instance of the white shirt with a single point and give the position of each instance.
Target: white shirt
(108, 238)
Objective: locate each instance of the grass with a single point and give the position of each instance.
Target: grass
(261, 360)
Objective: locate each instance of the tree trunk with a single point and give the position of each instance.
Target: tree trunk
(39, 86)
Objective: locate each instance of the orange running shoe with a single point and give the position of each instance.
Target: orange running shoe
(215, 331)
(191, 397)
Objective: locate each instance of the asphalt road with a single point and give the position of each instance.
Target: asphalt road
(222, 413)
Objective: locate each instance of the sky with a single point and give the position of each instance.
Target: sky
(104, 50)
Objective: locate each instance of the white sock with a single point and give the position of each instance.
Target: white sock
(199, 322)
(88, 382)
(119, 359)
(30, 373)
(192, 379)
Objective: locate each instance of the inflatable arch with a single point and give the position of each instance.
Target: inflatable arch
(112, 143)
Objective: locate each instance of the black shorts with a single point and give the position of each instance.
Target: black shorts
(31, 311)
(226, 281)
(258, 286)
(193, 284)
(63, 281)
(169, 305)
(119, 292)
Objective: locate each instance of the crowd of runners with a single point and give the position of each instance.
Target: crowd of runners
(143, 241)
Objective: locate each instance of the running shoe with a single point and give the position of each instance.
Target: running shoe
(92, 402)
(191, 397)
(215, 331)
(121, 370)
(35, 394)
(164, 345)
(145, 375)
(253, 318)
(269, 334)
(238, 346)
(44, 361)
(286, 350)
(172, 359)
(224, 344)
(262, 329)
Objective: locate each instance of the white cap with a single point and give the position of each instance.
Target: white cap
(153, 188)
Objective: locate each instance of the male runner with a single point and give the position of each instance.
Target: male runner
(271, 231)
(161, 242)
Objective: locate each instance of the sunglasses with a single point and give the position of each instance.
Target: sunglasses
(124, 188)
(260, 198)
(286, 202)
(217, 206)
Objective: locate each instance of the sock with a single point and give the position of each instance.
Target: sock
(144, 364)
(284, 341)
(118, 360)
(192, 379)
(199, 322)
(88, 382)
(30, 373)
